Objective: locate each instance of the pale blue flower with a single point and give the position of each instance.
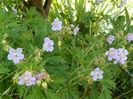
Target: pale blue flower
(129, 37)
(56, 25)
(27, 79)
(112, 54)
(97, 74)
(48, 45)
(110, 39)
(15, 55)
(119, 55)
(122, 56)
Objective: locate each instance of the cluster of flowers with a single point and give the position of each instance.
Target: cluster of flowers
(28, 80)
(111, 38)
(119, 55)
(16, 56)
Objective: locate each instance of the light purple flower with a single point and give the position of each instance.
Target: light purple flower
(97, 74)
(110, 39)
(122, 56)
(15, 55)
(112, 54)
(56, 25)
(48, 45)
(122, 53)
(119, 55)
(76, 30)
(129, 37)
(27, 79)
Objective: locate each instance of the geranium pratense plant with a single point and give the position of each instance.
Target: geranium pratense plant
(72, 48)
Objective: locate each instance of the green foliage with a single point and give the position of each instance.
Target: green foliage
(68, 68)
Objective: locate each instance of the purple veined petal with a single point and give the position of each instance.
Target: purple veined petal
(124, 58)
(47, 48)
(21, 82)
(97, 69)
(125, 52)
(44, 46)
(21, 77)
(46, 39)
(94, 78)
(11, 50)
(19, 50)
(53, 28)
(112, 49)
(21, 56)
(93, 73)
(51, 49)
(100, 77)
(101, 72)
(51, 42)
(15, 60)
(27, 74)
(59, 27)
(10, 56)
(117, 57)
(110, 58)
(122, 62)
(121, 50)
(56, 19)
(28, 83)
(110, 42)
(107, 53)
(33, 79)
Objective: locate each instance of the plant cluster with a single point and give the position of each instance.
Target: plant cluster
(75, 53)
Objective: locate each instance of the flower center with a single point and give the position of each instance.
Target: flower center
(49, 45)
(16, 54)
